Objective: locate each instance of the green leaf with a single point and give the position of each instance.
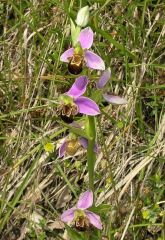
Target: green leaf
(73, 234)
(77, 131)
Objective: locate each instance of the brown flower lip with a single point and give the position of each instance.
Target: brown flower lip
(75, 64)
(67, 112)
(82, 224)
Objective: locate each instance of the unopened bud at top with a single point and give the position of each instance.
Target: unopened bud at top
(83, 16)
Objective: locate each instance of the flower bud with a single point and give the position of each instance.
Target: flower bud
(83, 16)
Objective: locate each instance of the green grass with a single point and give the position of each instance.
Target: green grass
(129, 36)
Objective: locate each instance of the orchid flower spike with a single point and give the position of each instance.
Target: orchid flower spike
(70, 146)
(113, 99)
(72, 102)
(80, 214)
(75, 57)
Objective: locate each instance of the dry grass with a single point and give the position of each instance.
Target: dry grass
(35, 187)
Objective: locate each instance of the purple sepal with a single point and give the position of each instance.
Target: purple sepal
(86, 200)
(87, 106)
(86, 38)
(114, 99)
(79, 87)
(62, 149)
(94, 61)
(84, 143)
(68, 215)
(103, 79)
(94, 219)
(66, 55)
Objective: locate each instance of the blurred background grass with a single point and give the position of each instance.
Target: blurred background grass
(36, 186)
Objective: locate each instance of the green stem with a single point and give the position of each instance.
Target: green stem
(91, 156)
(163, 225)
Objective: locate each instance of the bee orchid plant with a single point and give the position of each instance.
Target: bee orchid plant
(79, 99)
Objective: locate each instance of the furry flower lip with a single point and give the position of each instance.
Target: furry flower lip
(76, 57)
(72, 102)
(80, 216)
(75, 65)
(70, 146)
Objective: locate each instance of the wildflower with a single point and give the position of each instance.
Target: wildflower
(82, 218)
(113, 99)
(72, 102)
(83, 16)
(75, 57)
(71, 145)
(49, 147)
